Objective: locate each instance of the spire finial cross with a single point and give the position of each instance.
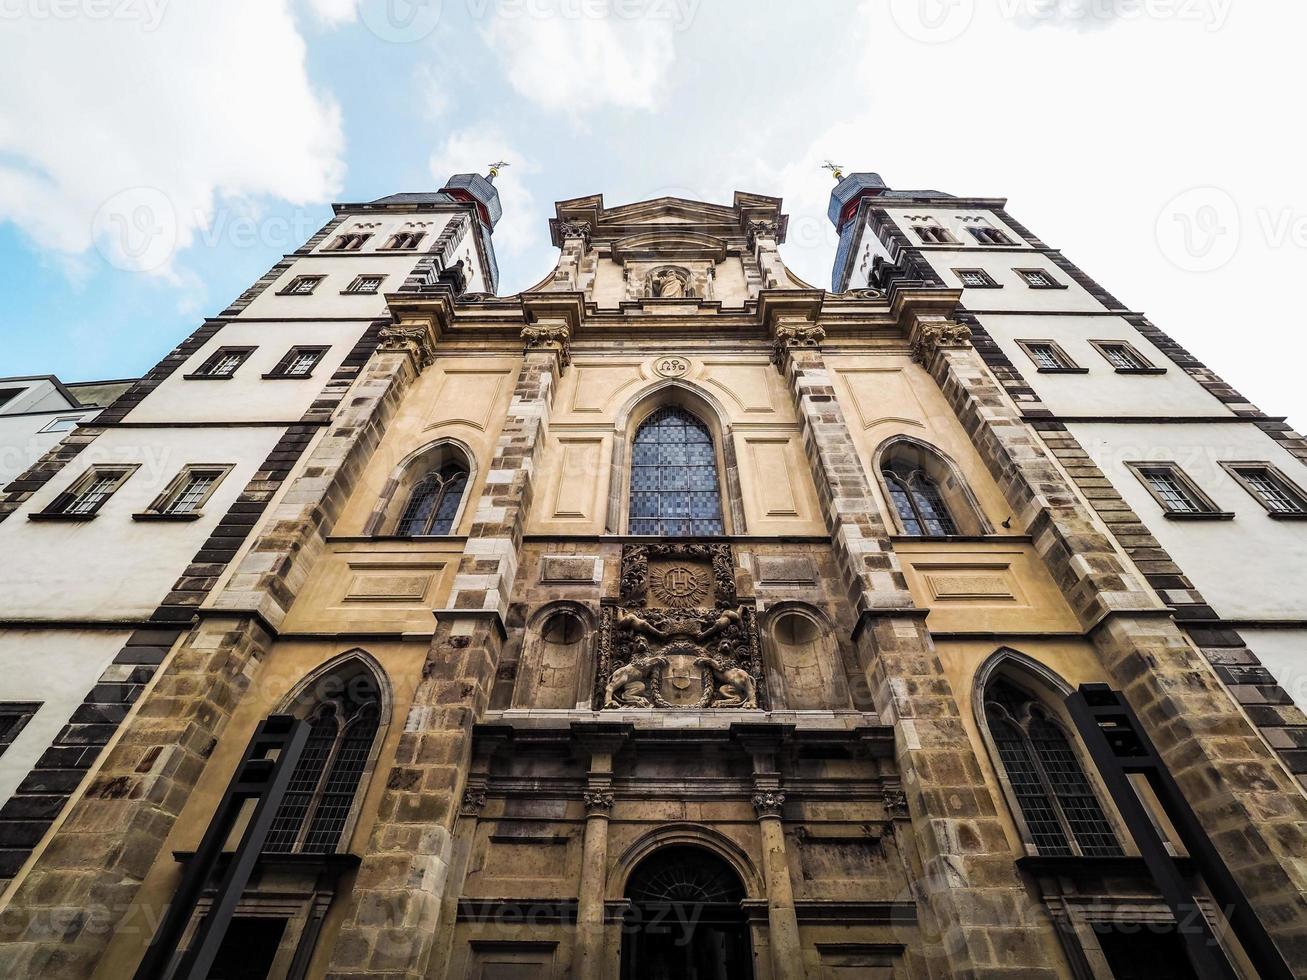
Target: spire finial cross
(836, 169)
(495, 167)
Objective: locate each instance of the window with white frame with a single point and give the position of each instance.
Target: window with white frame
(1269, 487)
(1122, 356)
(88, 493)
(299, 362)
(1039, 279)
(365, 285)
(187, 493)
(64, 423)
(975, 279)
(1178, 495)
(222, 363)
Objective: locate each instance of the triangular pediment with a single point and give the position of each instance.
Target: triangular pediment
(676, 216)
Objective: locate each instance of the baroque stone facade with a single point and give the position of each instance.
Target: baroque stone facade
(671, 619)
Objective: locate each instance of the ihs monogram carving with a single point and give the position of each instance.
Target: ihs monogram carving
(768, 804)
(788, 337)
(546, 337)
(681, 586)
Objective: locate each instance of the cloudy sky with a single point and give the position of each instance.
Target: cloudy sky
(1155, 141)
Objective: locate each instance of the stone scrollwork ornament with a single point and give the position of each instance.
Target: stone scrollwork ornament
(768, 804)
(472, 803)
(413, 339)
(598, 803)
(761, 229)
(574, 229)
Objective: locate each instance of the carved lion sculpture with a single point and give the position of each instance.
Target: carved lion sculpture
(628, 684)
(736, 687)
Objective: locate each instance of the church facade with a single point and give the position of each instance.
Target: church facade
(673, 618)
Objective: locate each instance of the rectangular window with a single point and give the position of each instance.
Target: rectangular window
(302, 286)
(1272, 489)
(299, 362)
(365, 285)
(405, 240)
(1178, 495)
(1039, 279)
(87, 494)
(221, 364)
(1049, 357)
(975, 279)
(986, 235)
(1124, 358)
(64, 424)
(9, 394)
(934, 235)
(187, 493)
(14, 716)
(351, 242)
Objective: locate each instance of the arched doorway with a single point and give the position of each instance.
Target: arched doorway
(685, 921)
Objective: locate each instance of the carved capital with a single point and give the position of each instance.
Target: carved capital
(409, 337)
(574, 229)
(789, 336)
(932, 333)
(546, 336)
(895, 802)
(598, 804)
(762, 229)
(473, 801)
(768, 804)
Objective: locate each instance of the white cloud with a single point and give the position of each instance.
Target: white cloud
(574, 57)
(333, 13)
(137, 132)
(469, 151)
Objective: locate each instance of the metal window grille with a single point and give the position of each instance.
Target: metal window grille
(1044, 356)
(1037, 279)
(1172, 492)
(224, 365)
(918, 502)
(300, 363)
(674, 486)
(433, 502)
(96, 491)
(1273, 494)
(365, 284)
(973, 278)
(1122, 356)
(189, 496)
(304, 285)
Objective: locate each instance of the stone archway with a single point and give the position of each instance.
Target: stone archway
(686, 919)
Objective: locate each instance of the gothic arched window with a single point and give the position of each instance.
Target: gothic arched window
(674, 488)
(434, 500)
(1056, 800)
(917, 500)
(343, 724)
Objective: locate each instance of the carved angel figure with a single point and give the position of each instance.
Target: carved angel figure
(628, 684)
(735, 685)
(725, 621)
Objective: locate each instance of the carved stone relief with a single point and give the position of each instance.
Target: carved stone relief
(678, 637)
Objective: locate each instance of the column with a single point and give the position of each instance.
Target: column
(1247, 802)
(395, 912)
(970, 887)
(81, 892)
(600, 741)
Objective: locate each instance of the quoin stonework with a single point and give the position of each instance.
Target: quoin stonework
(673, 618)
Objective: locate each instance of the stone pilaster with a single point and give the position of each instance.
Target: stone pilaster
(600, 741)
(970, 887)
(1246, 801)
(81, 890)
(573, 241)
(396, 910)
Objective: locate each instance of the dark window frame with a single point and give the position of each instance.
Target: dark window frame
(979, 233)
(404, 241)
(353, 288)
(431, 512)
(280, 372)
(989, 282)
(217, 357)
(59, 508)
(1274, 475)
(350, 241)
(163, 507)
(312, 281)
(1065, 365)
(1204, 509)
(701, 464)
(935, 234)
(1144, 365)
(1052, 281)
(22, 713)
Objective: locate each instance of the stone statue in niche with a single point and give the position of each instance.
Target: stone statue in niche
(669, 283)
(678, 638)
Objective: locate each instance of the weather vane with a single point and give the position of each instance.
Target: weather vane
(836, 169)
(497, 166)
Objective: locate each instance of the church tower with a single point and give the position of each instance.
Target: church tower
(673, 617)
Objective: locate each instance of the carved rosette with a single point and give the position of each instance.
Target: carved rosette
(789, 337)
(413, 339)
(934, 333)
(472, 802)
(548, 337)
(768, 804)
(598, 804)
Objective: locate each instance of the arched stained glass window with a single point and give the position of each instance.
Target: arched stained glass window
(322, 788)
(433, 501)
(674, 487)
(917, 500)
(1055, 797)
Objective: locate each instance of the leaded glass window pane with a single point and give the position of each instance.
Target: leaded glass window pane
(674, 486)
(918, 501)
(433, 501)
